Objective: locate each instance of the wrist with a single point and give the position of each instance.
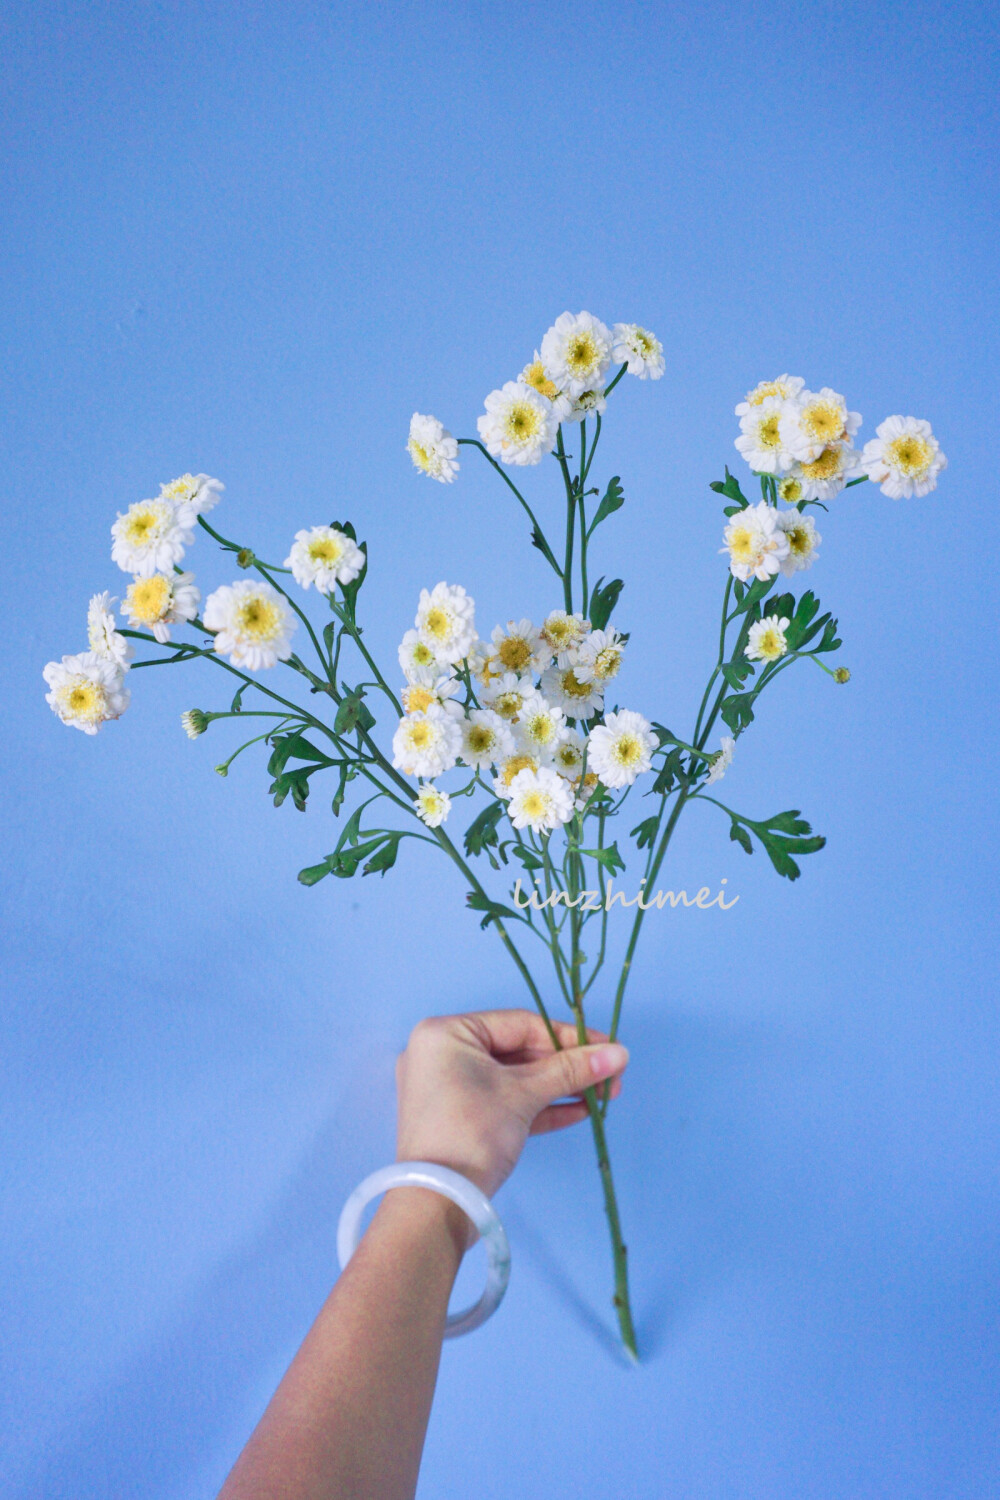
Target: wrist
(430, 1218)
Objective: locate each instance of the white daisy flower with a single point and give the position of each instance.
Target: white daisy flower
(162, 600)
(519, 426)
(568, 757)
(252, 624)
(803, 541)
(486, 739)
(621, 748)
(324, 556)
(825, 476)
(540, 799)
(433, 449)
(446, 622)
(815, 420)
(722, 760)
(417, 660)
(193, 493)
(578, 697)
(761, 442)
(520, 648)
(433, 806)
(576, 353)
(418, 696)
(588, 403)
(540, 727)
(756, 544)
(194, 721)
(785, 388)
(904, 457)
(101, 633)
(86, 690)
(639, 350)
(427, 743)
(535, 375)
(509, 769)
(600, 657)
(564, 633)
(150, 537)
(506, 695)
(766, 640)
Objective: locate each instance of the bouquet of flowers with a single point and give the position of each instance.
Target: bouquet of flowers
(522, 728)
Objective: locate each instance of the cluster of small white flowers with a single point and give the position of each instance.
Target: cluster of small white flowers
(565, 381)
(525, 689)
(805, 439)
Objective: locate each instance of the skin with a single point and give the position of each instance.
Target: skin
(349, 1418)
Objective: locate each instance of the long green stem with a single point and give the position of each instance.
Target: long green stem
(543, 545)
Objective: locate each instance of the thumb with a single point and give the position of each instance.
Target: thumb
(576, 1068)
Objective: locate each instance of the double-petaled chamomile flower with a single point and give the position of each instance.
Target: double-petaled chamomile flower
(536, 375)
(193, 493)
(826, 475)
(721, 760)
(568, 758)
(506, 695)
(600, 657)
(756, 543)
(540, 726)
(519, 426)
(486, 739)
(446, 622)
(418, 696)
(621, 748)
(324, 556)
(433, 806)
(252, 624)
(433, 449)
(904, 457)
(540, 799)
(785, 388)
(417, 660)
(564, 633)
(521, 648)
(151, 536)
(766, 640)
(427, 743)
(815, 420)
(86, 690)
(803, 541)
(576, 353)
(162, 600)
(509, 769)
(103, 638)
(639, 350)
(761, 440)
(578, 697)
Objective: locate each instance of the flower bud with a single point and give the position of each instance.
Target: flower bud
(195, 722)
(222, 770)
(841, 674)
(245, 558)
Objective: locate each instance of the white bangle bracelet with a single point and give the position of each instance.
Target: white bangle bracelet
(460, 1190)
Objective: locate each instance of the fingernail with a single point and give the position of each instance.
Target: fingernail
(608, 1059)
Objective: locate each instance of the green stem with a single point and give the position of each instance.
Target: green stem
(544, 546)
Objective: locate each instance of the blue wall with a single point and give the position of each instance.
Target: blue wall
(253, 239)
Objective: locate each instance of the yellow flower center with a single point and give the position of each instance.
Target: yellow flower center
(514, 765)
(824, 421)
(514, 652)
(800, 541)
(535, 805)
(421, 456)
(416, 699)
(741, 543)
(422, 654)
(540, 728)
(479, 738)
(84, 700)
(573, 687)
(583, 354)
(557, 632)
(767, 388)
(522, 422)
(326, 549)
(827, 466)
(148, 599)
(140, 523)
(420, 735)
(771, 643)
(627, 749)
(535, 376)
(767, 432)
(909, 454)
(258, 618)
(437, 623)
(790, 490)
(180, 489)
(568, 756)
(643, 342)
(607, 663)
(508, 705)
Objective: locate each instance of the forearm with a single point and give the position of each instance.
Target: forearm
(348, 1420)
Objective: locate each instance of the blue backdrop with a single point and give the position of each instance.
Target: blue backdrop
(251, 240)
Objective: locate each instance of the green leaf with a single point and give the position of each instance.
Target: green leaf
(314, 873)
(609, 857)
(671, 772)
(603, 601)
(346, 774)
(483, 829)
(736, 672)
(384, 858)
(528, 858)
(494, 909)
(664, 735)
(344, 862)
(737, 710)
(783, 835)
(645, 833)
(237, 704)
(731, 489)
(348, 712)
(329, 632)
(613, 500)
(740, 836)
(538, 540)
(295, 747)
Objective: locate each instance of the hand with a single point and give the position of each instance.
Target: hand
(472, 1088)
